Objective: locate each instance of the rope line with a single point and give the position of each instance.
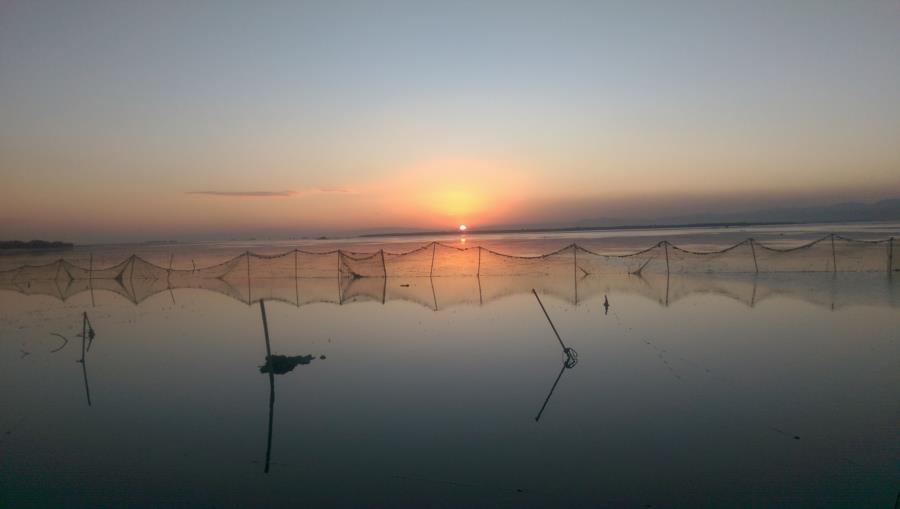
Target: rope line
(356, 256)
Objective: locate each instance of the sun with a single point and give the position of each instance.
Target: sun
(463, 228)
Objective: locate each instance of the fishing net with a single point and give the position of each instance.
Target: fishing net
(436, 272)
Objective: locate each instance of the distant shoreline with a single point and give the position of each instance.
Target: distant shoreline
(35, 245)
(565, 229)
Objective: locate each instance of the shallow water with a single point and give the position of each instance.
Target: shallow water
(741, 390)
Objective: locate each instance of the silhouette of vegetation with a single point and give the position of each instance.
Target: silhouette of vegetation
(281, 364)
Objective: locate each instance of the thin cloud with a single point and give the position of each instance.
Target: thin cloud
(273, 194)
(245, 194)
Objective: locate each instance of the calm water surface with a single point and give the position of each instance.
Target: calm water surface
(700, 391)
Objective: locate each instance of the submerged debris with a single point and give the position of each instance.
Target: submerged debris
(281, 364)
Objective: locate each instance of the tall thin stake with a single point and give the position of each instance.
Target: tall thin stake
(478, 271)
(575, 269)
(433, 249)
(91, 280)
(665, 244)
(753, 250)
(890, 260)
(296, 279)
(563, 345)
(249, 290)
(262, 309)
(833, 255)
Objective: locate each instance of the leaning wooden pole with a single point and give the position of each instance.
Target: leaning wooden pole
(262, 310)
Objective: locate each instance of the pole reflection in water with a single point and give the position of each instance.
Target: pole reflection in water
(87, 339)
(276, 365)
(571, 356)
(568, 363)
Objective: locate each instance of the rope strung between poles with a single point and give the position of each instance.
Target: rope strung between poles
(843, 254)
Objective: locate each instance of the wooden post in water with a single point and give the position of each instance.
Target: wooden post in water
(383, 268)
(665, 244)
(890, 260)
(340, 277)
(478, 270)
(91, 279)
(249, 291)
(296, 279)
(753, 250)
(262, 310)
(575, 269)
(433, 249)
(833, 256)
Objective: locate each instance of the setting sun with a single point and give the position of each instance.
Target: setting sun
(462, 227)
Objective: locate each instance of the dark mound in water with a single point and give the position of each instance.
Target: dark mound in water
(281, 364)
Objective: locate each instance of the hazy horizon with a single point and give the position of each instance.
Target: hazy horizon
(157, 121)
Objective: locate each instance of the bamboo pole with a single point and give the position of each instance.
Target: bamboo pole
(575, 269)
(478, 271)
(890, 260)
(249, 290)
(753, 250)
(433, 249)
(665, 244)
(833, 255)
(296, 279)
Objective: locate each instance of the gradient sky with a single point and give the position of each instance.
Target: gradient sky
(140, 120)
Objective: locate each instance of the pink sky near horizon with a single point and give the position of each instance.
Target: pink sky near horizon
(148, 122)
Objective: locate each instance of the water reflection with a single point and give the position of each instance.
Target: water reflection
(715, 387)
(275, 365)
(829, 290)
(571, 355)
(87, 337)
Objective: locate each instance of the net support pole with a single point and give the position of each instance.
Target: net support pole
(575, 269)
(249, 291)
(753, 251)
(665, 244)
(433, 249)
(890, 256)
(340, 275)
(478, 270)
(833, 256)
(91, 280)
(169, 272)
(383, 269)
(296, 278)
